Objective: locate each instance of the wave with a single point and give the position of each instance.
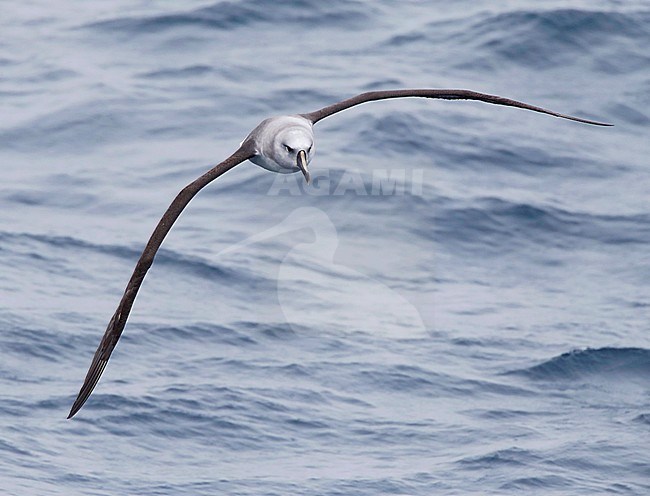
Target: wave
(498, 225)
(544, 39)
(184, 73)
(539, 38)
(76, 128)
(579, 364)
(210, 334)
(233, 15)
(186, 263)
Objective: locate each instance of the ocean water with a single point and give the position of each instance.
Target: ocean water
(458, 305)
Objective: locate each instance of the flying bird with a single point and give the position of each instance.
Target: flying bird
(283, 144)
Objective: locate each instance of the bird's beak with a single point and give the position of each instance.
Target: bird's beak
(302, 165)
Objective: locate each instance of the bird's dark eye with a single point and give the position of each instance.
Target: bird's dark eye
(309, 149)
(288, 148)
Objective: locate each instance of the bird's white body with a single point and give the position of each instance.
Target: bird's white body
(277, 141)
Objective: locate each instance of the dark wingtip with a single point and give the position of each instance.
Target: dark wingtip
(75, 408)
(594, 123)
(78, 403)
(578, 119)
(92, 378)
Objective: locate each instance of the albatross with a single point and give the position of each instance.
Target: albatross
(283, 144)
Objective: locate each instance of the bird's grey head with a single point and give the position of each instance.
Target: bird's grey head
(284, 144)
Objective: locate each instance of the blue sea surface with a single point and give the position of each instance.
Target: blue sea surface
(459, 304)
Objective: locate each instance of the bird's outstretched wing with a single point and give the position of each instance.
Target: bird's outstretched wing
(371, 96)
(118, 321)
